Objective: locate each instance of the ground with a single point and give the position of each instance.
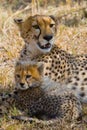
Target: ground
(71, 36)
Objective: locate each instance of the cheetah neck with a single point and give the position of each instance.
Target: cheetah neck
(29, 52)
(33, 51)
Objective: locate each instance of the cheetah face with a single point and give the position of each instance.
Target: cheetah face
(44, 30)
(27, 75)
(39, 31)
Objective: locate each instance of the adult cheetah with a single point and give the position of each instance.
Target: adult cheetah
(39, 33)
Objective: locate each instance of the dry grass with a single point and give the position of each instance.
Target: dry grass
(71, 36)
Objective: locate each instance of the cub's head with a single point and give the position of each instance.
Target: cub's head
(28, 75)
(39, 31)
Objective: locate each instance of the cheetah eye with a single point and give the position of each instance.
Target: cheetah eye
(51, 25)
(18, 76)
(28, 76)
(36, 26)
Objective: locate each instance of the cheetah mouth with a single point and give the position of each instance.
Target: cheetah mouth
(46, 46)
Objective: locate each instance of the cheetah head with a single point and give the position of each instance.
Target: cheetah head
(38, 32)
(28, 75)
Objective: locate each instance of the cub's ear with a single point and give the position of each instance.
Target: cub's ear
(18, 21)
(18, 63)
(40, 66)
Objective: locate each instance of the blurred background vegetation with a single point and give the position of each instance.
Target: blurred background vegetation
(18, 4)
(71, 36)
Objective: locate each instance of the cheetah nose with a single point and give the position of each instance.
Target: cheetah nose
(48, 37)
(22, 84)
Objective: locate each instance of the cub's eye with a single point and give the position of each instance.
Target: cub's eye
(28, 76)
(51, 25)
(18, 76)
(36, 26)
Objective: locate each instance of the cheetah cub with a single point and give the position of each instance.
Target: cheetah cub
(42, 97)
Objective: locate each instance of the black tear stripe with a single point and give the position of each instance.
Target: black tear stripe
(39, 33)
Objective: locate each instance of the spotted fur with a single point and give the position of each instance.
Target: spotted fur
(58, 64)
(42, 96)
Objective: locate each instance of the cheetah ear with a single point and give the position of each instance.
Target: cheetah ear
(18, 21)
(53, 17)
(40, 66)
(18, 63)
